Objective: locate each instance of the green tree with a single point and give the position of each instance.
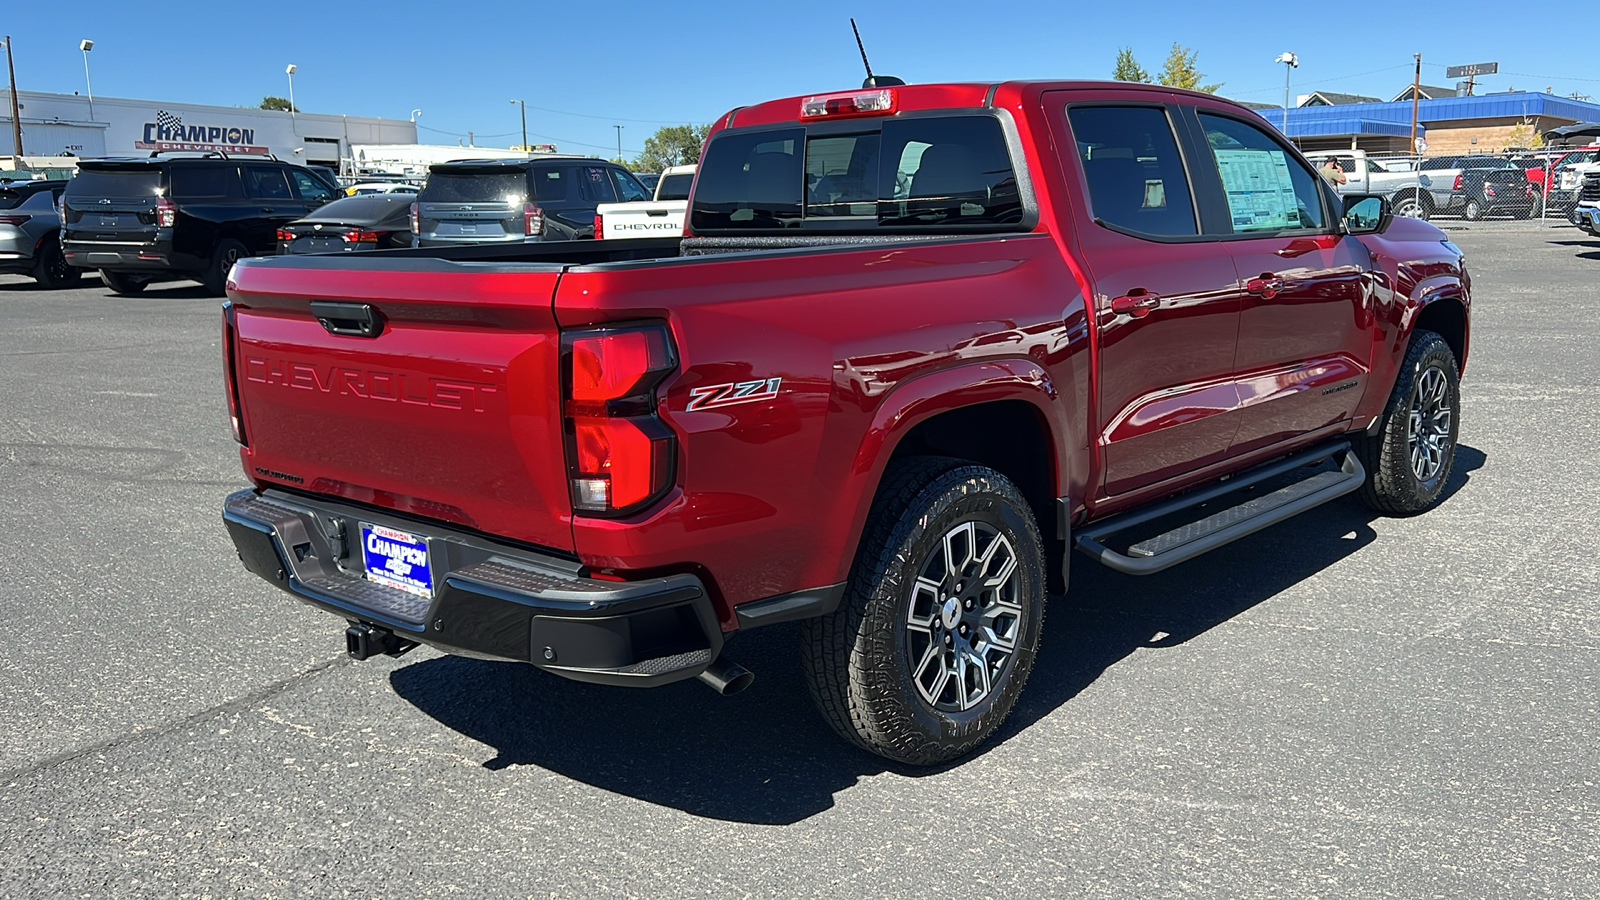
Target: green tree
(1128, 68)
(1181, 71)
(671, 145)
(277, 103)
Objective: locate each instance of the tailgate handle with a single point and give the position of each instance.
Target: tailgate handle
(655, 212)
(354, 319)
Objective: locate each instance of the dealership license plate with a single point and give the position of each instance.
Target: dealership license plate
(397, 559)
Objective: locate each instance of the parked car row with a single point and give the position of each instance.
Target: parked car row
(1472, 187)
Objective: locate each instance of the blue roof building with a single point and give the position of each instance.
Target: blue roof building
(1481, 124)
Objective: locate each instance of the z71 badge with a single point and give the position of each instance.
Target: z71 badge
(712, 396)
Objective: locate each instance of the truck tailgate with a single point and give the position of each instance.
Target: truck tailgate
(450, 411)
(643, 219)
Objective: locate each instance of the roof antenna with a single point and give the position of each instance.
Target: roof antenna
(871, 80)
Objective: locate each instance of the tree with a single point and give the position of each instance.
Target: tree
(671, 145)
(1524, 136)
(1181, 71)
(1128, 68)
(277, 103)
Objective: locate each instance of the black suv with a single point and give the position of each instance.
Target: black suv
(474, 201)
(166, 218)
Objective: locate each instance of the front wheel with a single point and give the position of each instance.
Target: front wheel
(1409, 459)
(940, 624)
(215, 278)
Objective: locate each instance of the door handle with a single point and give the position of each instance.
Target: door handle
(1267, 286)
(1137, 304)
(267, 209)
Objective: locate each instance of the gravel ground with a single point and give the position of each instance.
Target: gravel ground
(1344, 705)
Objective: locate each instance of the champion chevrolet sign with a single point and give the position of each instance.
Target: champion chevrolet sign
(168, 132)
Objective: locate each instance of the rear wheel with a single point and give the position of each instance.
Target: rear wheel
(1473, 211)
(1409, 459)
(122, 283)
(215, 277)
(934, 641)
(1412, 206)
(50, 267)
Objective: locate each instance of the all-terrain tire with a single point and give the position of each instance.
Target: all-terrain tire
(1429, 379)
(858, 659)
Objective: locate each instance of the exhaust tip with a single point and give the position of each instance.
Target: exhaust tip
(727, 678)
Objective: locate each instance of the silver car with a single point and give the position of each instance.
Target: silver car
(30, 233)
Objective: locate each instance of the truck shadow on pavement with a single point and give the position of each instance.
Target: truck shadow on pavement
(766, 757)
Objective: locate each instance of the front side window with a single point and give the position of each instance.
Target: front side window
(1268, 189)
(1136, 177)
(312, 190)
(629, 187)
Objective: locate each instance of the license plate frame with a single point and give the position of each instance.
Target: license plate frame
(397, 559)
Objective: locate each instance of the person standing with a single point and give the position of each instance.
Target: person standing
(1333, 172)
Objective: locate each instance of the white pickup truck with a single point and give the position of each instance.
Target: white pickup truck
(661, 217)
(1369, 176)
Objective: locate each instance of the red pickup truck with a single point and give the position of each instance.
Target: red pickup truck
(916, 342)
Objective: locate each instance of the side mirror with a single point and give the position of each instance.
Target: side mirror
(1366, 213)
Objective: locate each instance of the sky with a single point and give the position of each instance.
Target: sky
(584, 68)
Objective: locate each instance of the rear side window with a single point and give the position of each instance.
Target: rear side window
(121, 183)
(551, 185)
(1135, 175)
(594, 185)
(202, 182)
(266, 183)
(675, 187)
(924, 173)
(475, 187)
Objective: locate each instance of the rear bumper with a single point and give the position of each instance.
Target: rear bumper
(490, 600)
(153, 257)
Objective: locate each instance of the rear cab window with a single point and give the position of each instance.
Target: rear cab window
(675, 187)
(928, 173)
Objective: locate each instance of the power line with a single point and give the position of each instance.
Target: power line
(1318, 81)
(562, 112)
(548, 137)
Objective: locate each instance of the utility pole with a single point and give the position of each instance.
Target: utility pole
(524, 105)
(16, 111)
(1416, 99)
(619, 142)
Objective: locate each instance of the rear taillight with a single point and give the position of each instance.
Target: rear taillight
(620, 455)
(361, 237)
(166, 213)
(599, 227)
(416, 224)
(285, 235)
(532, 218)
(18, 220)
(230, 340)
(1488, 190)
(1457, 185)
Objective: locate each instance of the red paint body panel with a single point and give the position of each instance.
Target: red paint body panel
(454, 411)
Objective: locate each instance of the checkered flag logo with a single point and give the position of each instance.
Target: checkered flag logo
(167, 122)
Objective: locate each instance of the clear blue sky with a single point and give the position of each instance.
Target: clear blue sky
(643, 65)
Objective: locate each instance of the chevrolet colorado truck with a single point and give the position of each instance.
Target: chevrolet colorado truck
(917, 344)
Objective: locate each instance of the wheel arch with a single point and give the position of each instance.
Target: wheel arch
(1442, 308)
(955, 412)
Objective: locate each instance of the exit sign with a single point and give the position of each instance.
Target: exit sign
(1473, 70)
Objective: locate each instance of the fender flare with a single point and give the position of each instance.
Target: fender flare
(916, 400)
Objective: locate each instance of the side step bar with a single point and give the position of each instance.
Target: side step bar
(1226, 525)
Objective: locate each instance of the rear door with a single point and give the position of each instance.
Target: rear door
(1165, 301)
(272, 203)
(1304, 341)
(449, 409)
(113, 204)
(594, 188)
(209, 197)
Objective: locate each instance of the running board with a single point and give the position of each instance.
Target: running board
(1226, 525)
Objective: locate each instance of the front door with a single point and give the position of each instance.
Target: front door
(1166, 302)
(1304, 337)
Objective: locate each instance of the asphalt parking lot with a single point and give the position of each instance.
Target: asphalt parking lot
(1342, 706)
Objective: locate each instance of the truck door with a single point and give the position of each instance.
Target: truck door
(1304, 337)
(1165, 302)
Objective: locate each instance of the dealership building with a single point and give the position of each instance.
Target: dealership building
(72, 125)
(1446, 123)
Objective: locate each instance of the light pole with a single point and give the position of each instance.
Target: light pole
(289, 71)
(87, 45)
(1290, 63)
(619, 143)
(414, 114)
(524, 105)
